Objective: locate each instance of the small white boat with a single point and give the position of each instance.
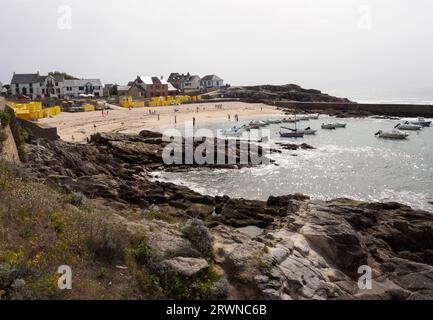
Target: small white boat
(232, 132)
(408, 126)
(313, 116)
(395, 134)
(421, 122)
(274, 121)
(340, 125)
(329, 126)
(257, 124)
(289, 120)
(302, 117)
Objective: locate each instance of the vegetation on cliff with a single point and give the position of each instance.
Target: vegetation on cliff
(42, 228)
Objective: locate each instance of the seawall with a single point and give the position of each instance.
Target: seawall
(398, 110)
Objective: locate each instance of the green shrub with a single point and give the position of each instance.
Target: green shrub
(5, 118)
(142, 253)
(196, 232)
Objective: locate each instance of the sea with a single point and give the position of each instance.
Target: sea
(347, 163)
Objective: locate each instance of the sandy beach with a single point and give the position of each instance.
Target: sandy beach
(77, 127)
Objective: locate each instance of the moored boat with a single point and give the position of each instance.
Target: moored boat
(421, 122)
(232, 132)
(340, 125)
(395, 134)
(408, 126)
(274, 121)
(289, 120)
(329, 126)
(257, 124)
(307, 131)
(293, 134)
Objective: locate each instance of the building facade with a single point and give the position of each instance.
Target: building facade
(185, 82)
(148, 87)
(211, 82)
(34, 86)
(75, 88)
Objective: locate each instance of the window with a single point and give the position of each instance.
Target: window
(81, 88)
(31, 90)
(57, 84)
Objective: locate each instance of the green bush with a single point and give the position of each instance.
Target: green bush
(196, 232)
(5, 118)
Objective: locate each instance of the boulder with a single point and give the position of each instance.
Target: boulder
(185, 266)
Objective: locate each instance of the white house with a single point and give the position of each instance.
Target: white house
(211, 82)
(34, 85)
(73, 88)
(191, 83)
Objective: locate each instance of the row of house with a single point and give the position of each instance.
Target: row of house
(193, 83)
(147, 87)
(34, 85)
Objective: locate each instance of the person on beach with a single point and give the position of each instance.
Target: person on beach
(94, 127)
(193, 121)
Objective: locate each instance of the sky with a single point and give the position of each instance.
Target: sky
(343, 47)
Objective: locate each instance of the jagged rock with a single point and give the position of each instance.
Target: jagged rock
(293, 146)
(184, 266)
(265, 93)
(309, 249)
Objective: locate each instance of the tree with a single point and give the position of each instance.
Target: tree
(113, 90)
(64, 74)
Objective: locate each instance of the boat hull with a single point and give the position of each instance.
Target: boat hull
(291, 134)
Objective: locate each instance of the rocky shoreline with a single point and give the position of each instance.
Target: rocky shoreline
(290, 247)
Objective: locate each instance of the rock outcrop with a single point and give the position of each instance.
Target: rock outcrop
(265, 93)
(290, 247)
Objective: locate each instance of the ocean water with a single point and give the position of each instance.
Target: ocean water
(350, 163)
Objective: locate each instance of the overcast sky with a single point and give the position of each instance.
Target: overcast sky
(339, 46)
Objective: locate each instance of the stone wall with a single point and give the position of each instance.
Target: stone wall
(398, 110)
(37, 130)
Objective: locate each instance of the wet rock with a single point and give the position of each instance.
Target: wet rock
(293, 146)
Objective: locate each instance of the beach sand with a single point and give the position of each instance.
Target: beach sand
(77, 127)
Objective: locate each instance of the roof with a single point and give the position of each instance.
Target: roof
(25, 78)
(211, 77)
(123, 88)
(146, 80)
(83, 82)
(59, 78)
(191, 78)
